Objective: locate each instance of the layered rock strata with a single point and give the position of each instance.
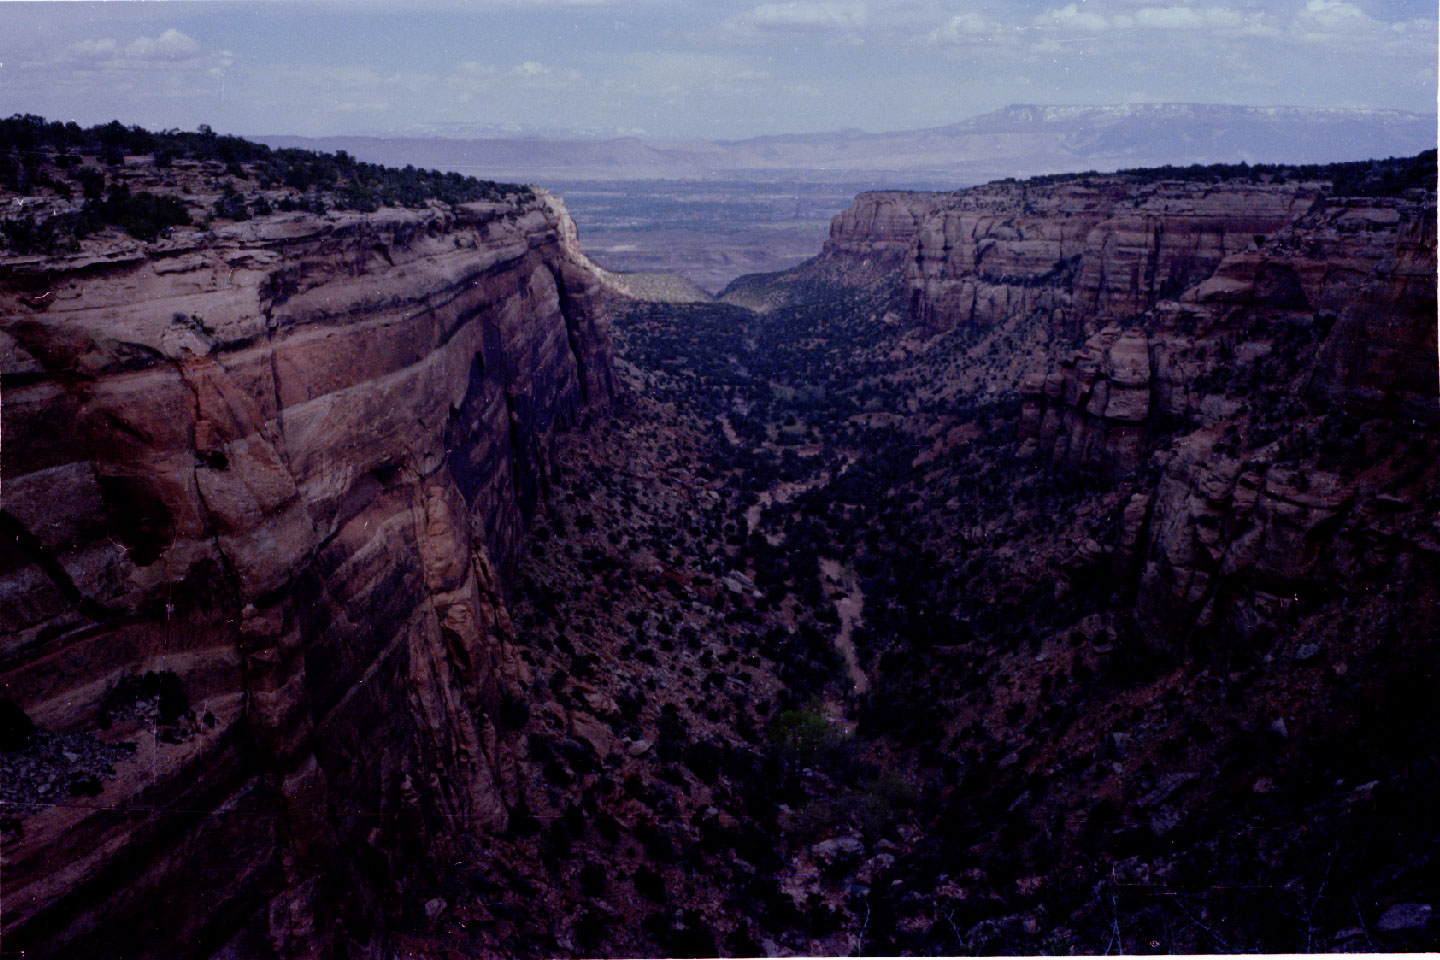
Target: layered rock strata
(875, 234)
(288, 461)
(1254, 372)
(869, 243)
(1093, 411)
(1355, 276)
(1083, 252)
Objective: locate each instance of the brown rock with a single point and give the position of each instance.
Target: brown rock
(319, 489)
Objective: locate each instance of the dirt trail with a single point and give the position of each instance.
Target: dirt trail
(850, 605)
(730, 435)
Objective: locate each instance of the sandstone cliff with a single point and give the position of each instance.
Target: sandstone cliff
(288, 461)
(1077, 251)
(1082, 252)
(1250, 343)
(869, 243)
(1249, 394)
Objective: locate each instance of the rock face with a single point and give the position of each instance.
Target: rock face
(869, 243)
(289, 462)
(1082, 252)
(1333, 316)
(875, 234)
(1092, 413)
(1356, 274)
(1236, 334)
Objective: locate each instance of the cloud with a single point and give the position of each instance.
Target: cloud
(1339, 23)
(1334, 13)
(1072, 19)
(171, 46)
(679, 75)
(804, 16)
(171, 49)
(1199, 21)
(1188, 18)
(964, 29)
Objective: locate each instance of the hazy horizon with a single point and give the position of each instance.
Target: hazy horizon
(667, 70)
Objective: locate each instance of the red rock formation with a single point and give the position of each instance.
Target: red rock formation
(869, 243)
(1337, 308)
(875, 234)
(1368, 262)
(1083, 252)
(287, 461)
(1093, 413)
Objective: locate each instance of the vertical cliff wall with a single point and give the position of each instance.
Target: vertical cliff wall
(1259, 396)
(1085, 251)
(288, 462)
(1242, 347)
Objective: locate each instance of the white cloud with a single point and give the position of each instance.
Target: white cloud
(1334, 13)
(804, 16)
(692, 69)
(171, 46)
(964, 29)
(1198, 20)
(1339, 23)
(1171, 18)
(474, 69)
(171, 49)
(1071, 19)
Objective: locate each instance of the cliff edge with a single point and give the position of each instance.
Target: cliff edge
(272, 468)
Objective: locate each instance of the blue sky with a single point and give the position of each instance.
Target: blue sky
(679, 69)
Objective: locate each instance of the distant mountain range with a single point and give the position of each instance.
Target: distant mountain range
(1018, 140)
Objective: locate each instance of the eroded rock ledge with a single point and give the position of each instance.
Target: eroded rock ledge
(288, 460)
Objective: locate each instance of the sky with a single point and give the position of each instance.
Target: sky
(678, 69)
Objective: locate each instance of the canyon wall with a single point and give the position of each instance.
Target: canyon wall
(869, 243)
(1247, 394)
(1251, 349)
(875, 234)
(288, 461)
(1082, 252)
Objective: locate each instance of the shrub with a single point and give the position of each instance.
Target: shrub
(801, 734)
(142, 215)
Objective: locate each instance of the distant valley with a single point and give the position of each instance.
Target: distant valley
(715, 209)
(710, 231)
(1020, 140)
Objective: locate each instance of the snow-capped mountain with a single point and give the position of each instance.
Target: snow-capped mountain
(1018, 140)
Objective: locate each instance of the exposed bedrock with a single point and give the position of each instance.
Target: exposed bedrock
(1084, 253)
(1259, 501)
(1337, 308)
(289, 461)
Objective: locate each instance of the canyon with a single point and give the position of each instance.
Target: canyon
(1045, 566)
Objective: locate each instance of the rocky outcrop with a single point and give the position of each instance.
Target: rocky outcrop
(1093, 412)
(1269, 368)
(1353, 275)
(869, 244)
(1383, 347)
(288, 461)
(875, 234)
(1083, 252)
